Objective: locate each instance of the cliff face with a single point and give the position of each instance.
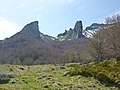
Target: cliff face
(31, 30)
(78, 29)
(29, 33)
(75, 33)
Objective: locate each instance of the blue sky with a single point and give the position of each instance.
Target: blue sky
(54, 16)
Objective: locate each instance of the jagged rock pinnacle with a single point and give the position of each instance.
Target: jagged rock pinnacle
(73, 33)
(78, 30)
(32, 29)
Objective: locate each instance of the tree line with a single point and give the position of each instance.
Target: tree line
(105, 43)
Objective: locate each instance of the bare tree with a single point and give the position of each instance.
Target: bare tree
(96, 46)
(113, 35)
(105, 43)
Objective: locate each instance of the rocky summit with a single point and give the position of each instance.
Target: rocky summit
(28, 34)
(75, 33)
(78, 29)
(31, 29)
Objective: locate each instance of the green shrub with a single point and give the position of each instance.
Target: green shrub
(86, 73)
(104, 78)
(74, 72)
(4, 81)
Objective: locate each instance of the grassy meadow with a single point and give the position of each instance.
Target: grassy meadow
(104, 75)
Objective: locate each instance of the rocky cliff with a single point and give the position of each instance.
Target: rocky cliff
(90, 30)
(29, 33)
(31, 30)
(75, 33)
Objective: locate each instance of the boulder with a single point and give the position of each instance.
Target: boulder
(4, 77)
(43, 76)
(65, 73)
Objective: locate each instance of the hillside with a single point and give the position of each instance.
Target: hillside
(30, 46)
(59, 45)
(63, 77)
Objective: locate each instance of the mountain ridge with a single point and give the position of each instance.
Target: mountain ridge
(30, 46)
(32, 30)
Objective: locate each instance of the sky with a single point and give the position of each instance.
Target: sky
(54, 16)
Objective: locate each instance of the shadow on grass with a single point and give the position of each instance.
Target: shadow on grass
(4, 81)
(104, 79)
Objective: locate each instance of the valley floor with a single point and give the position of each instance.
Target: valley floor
(49, 77)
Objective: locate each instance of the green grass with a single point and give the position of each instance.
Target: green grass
(107, 72)
(26, 77)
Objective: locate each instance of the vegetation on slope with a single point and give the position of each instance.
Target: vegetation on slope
(107, 72)
(73, 76)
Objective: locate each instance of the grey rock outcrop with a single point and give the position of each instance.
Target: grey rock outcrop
(4, 77)
(41, 77)
(29, 33)
(78, 29)
(65, 73)
(31, 30)
(75, 33)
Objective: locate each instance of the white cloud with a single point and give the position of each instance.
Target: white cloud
(7, 28)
